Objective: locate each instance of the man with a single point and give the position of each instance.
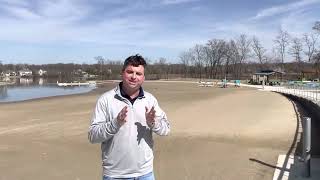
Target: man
(123, 122)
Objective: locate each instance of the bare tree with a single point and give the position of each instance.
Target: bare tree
(231, 57)
(1, 66)
(282, 41)
(207, 60)
(310, 41)
(243, 47)
(215, 51)
(316, 26)
(164, 67)
(185, 59)
(258, 50)
(198, 51)
(100, 61)
(296, 51)
(316, 62)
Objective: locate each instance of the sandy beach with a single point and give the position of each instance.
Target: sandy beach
(217, 133)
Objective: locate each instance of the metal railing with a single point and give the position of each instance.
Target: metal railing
(306, 149)
(310, 92)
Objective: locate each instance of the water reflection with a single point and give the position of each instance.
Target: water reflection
(25, 81)
(3, 92)
(41, 81)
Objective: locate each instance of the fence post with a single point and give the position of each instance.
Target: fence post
(314, 91)
(299, 92)
(306, 142)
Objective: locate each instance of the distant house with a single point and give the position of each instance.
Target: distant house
(8, 73)
(269, 77)
(42, 72)
(80, 73)
(308, 74)
(25, 73)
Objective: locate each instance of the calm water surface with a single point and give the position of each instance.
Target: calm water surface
(25, 91)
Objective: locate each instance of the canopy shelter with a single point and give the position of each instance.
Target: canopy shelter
(268, 77)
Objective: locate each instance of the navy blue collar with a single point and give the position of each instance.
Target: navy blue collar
(125, 95)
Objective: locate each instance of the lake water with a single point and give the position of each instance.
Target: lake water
(32, 90)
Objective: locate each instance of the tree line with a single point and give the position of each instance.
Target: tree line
(235, 58)
(239, 57)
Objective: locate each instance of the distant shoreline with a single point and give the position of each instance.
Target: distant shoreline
(101, 87)
(49, 97)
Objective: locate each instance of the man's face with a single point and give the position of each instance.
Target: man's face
(133, 77)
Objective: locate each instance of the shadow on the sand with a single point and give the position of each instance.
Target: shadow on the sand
(296, 143)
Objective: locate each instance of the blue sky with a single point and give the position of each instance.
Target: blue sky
(75, 31)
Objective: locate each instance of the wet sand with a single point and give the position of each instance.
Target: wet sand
(217, 133)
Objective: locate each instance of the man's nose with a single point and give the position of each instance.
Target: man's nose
(134, 75)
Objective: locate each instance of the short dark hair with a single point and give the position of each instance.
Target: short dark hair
(135, 60)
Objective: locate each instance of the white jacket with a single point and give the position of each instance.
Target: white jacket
(127, 149)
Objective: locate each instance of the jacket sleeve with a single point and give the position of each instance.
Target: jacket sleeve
(162, 125)
(102, 126)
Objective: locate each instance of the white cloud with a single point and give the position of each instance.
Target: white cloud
(14, 2)
(22, 13)
(298, 23)
(53, 23)
(65, 9)
(176, 1)
(275, 10)
(119, 28)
